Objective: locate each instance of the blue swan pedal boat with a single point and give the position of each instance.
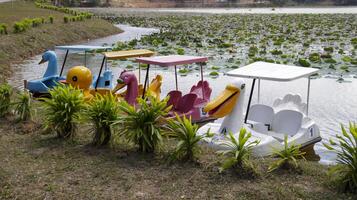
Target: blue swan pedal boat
(40, 87)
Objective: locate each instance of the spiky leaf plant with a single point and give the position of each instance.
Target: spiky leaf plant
(5, 98)
(344, 174)
(186, 133)
(62, 110)
(23, 106)
(287, 156)
(102, 112)
(142, 124)
(238, 150)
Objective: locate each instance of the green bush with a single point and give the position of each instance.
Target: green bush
(239, 151)
(142, 124)
(5, 99)
(23, 106)
(62, 110)
(51, 19)
(66, 19)
(3, 29)
(102, 112)
(344, 174)
(186, 133)
(288, 155)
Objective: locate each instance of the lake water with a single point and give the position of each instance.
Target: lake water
(331, 102)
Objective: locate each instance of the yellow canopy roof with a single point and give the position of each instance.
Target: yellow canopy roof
(113, 55)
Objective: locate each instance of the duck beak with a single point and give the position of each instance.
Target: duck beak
(224, 103)
(42, 61)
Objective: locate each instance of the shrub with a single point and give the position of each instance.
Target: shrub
(344, 174)
(23, 106)
(51, 19)
(239, 150)
(65, 19)
(286, 156)
(18, 27)
(63, 109)
(3, 29)
(186, 133)
(5, 101)
(143, 126)
(102, 112)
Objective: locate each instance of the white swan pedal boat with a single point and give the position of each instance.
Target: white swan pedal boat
(288, 116)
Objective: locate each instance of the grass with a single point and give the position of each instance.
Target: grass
(35, 166)
(16, 47)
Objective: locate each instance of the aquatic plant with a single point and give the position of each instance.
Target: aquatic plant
(186, 133)
(142, 124)
(214, 74)
(286, 157)
(102, 112)
(344, 174)
(304, 62)
(23, 106)
(315, 57)
(63, 109)
(239, 150)
(66, 19)
(5, 98)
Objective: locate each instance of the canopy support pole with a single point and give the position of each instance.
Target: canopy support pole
(139, 74)
(146, 80)
(64, 62)
(176, 77)
(308, 95)
(201, 69)
(249, 101)
(85, 58)
(258, 90)
(100, 72)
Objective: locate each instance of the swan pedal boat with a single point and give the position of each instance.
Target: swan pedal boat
(51, 77)
(288, 116)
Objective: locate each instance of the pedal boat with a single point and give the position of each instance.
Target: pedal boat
(192, 103)
(52, 76)
(268, 124)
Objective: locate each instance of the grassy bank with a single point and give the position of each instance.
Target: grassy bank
(14, 47)
(35, 166)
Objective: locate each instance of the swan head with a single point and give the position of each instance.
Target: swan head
(224, 103)
(79, 77)
(124, 79)
(47, 56)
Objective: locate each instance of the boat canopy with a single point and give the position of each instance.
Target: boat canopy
(82, 47)
(272, 71)
(113, 55)
(172, 60)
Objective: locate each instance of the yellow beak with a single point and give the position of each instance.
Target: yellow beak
(120, 85)
(224, 103)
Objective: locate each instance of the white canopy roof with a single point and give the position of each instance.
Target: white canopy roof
(82, 47)
(271, 71)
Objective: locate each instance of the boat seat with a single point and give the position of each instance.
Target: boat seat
(287, 122)
(203, 92)
(261, 114)
(174, 97)
(185, 105)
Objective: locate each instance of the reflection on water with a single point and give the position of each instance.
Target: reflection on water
(331, 103)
